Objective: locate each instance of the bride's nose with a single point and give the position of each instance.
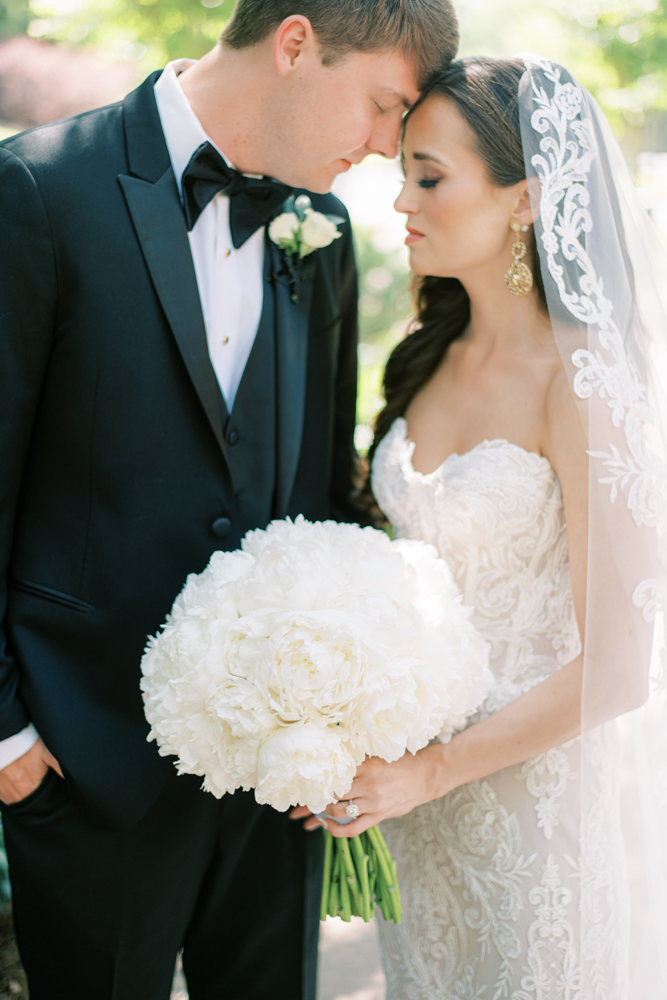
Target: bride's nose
(404, 204)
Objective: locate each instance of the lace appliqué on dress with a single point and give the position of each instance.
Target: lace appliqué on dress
(552, 971)
(479, 890)
(462, 876)
(547, 778)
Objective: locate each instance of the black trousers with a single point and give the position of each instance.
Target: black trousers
(102, 915)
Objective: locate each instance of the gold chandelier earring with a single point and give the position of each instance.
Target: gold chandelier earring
(519, 277)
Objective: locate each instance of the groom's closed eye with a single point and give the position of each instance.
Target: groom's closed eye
(394, 98)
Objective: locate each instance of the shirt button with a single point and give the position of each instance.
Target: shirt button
(225, 340)
(228, 253)
(221, 527)
(233, 438)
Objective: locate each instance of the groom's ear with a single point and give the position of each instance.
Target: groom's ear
(293, 40)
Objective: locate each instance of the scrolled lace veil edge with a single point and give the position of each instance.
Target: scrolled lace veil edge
(604, 275)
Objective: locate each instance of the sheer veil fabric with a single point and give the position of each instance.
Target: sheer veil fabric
(605, 276)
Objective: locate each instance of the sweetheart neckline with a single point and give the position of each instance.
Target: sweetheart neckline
(465, 454)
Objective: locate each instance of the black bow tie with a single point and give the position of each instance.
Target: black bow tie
(253, 202)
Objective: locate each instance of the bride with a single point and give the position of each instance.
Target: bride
(524, 436)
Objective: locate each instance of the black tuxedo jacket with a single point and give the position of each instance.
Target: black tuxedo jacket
(111, 439)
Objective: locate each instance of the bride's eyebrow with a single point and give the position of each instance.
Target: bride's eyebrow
(428, 157)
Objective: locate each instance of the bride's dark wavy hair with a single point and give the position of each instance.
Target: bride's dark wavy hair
(486, 93)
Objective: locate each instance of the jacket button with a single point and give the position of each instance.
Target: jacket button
(233, 438)
(221, 527)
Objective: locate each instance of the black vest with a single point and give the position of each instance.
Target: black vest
(250, 434)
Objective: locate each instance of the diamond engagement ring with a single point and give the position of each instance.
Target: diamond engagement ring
(352, 810)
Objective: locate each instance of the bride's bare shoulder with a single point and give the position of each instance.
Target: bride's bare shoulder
(565, 444)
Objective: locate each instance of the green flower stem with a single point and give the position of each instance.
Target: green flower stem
(382, 894)
(376, 834)
(350, 872)
(334, 896)
(368, 899)
(397, 905)
(326, 877)
(346, 912)
(372, 867)
(359, 872)
(385, 864)
(361, 862)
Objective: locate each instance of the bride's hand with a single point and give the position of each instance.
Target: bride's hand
(381, 790)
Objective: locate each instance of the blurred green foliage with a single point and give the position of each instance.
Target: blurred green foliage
(148, 32)
(384, 313)
(383, 293)
(14, 17)
(631, 36)
(617, 47)
(5, 888)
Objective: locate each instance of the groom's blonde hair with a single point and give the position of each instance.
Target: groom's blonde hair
(426, 31)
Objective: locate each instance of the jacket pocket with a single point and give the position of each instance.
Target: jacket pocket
(55, 596)
(46, 802)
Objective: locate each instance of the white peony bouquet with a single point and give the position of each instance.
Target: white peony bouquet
(286, 663)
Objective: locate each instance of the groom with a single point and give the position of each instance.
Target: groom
(165, 386)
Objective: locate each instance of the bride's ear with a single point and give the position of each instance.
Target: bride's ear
(527, 206)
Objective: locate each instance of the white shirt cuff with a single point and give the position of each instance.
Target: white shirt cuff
(15, 746)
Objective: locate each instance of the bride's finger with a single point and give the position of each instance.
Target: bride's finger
(358, 790)
(354, 829)
(338, 808)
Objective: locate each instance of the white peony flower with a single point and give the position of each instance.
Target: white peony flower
(284, 227)
(283, 665)
(305, 765)
(317, 231)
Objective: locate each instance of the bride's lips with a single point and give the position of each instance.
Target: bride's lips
(413, 236)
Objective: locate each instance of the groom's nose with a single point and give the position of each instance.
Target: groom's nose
(384, 139)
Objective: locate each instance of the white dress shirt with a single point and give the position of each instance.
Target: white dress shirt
(230, 281)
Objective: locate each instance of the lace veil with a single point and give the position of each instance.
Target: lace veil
(605, 276)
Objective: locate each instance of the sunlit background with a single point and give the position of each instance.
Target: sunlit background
(58, 57)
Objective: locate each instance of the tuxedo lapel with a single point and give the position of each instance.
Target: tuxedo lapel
(292, 358)
(152, 200)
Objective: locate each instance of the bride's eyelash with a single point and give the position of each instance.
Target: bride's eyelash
(429, 184)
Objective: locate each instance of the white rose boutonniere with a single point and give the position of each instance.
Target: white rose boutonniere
(283, 229)
(299, 231)
(317, 231)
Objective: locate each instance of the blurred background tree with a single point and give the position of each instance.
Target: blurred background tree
(14, 17)
(147, 32)
(618, 48)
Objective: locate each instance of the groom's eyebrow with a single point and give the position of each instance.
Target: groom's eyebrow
(399, 97)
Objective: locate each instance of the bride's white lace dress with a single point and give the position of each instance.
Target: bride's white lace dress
(488, 873)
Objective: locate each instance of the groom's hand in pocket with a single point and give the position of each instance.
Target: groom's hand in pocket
(20, 778)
